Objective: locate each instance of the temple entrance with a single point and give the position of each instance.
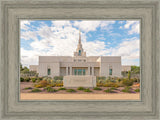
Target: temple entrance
(79, 72)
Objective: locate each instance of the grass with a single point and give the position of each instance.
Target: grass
(137, 90)
(97, 88)
(36, 90)
(27, 88)
(62, 88)
(87, 90)
(71, 90)
(80, 88)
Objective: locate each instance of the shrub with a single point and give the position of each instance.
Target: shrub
(137, 90)
(27, 88)
(127, 89)
(44, 83)
(38, 86)
(21, 79)
(109, 90)
(50, 89)
(101, 78)
(127, 82)
(111, 84)
(87, 90)
(36, 90)
(97, 88)
(59, 84)
(33, 80)
(100, 84)
(27, 79)
(113, 88)
(58, 78)
(80, 88)
(62, 88)
(51, 85)
(71, 90)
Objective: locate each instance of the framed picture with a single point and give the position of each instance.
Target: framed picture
(35, 64)
(61, 62)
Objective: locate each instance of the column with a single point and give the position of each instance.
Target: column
(92, 70)
(88, 70)
(67, 70)
(70, 70)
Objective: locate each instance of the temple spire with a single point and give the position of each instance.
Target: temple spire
(79, 37)
(79, 50)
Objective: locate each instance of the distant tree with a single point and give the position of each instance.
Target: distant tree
(135, 69)
(21, 67)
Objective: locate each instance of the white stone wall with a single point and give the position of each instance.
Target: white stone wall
(97, 71)
(33, 68)
(126, 68)
(79, 81)
(43, 69)
(114, 63)
(62, 71)
(99, 65)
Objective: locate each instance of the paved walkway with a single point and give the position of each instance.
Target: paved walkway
(50, 96)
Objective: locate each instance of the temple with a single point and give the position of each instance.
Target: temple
(78, 66)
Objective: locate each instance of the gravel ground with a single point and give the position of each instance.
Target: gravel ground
(24, 85)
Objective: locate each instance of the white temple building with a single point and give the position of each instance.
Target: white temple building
(79, 64)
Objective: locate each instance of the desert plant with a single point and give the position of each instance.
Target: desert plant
(21, 79)
(33, 80)
(97, 88)
(50, 89)
(59, 84)
(27, 79)
(44, 83)
(38, 86)
(111, 84)
(127, 82)
(109, 90)
(36, 90)
(127, 89)
(71, 90)
(87, 90)
(62, 88)
(27, 88)
(80, 88)
(129, 75)
(137, 90)
(113, 88)
(58, 78)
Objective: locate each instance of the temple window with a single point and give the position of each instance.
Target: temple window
(79, 53)
(49, 71)
(110, 71)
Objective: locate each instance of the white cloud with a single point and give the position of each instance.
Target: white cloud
(133, 26)
(27, 35)
(24, 23)
(121, 22)
(61, 23)
(128, 50)
(87, 26)
(61, 39)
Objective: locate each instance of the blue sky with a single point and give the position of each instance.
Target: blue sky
(99, 38)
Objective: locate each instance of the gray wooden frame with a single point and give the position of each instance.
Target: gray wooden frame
(147, 11)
